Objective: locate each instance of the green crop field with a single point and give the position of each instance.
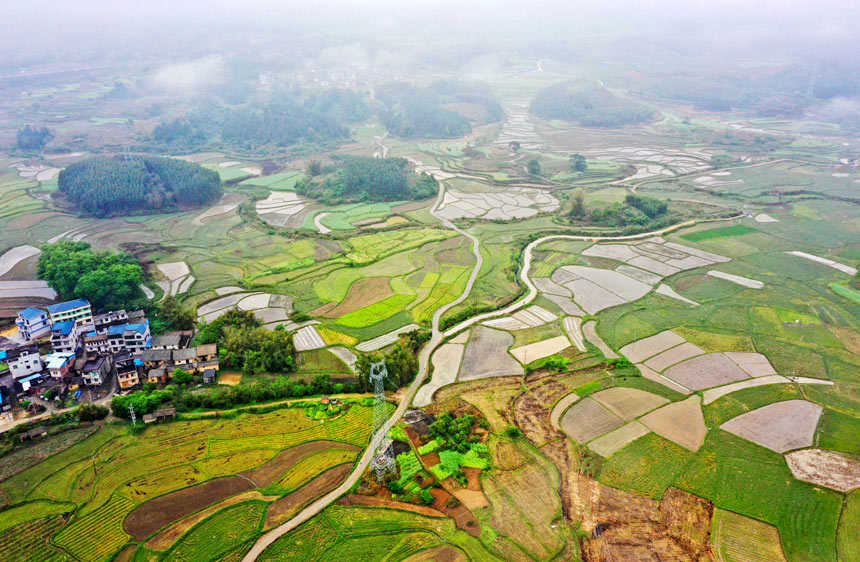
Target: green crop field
(308, 468)
(220, 534)
(97, 536)
(371, 534)
(734, 230)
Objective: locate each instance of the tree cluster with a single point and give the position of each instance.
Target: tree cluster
(591, 107)
(170, 315)
(108, 186)
(288, 118)
(455, 432)
(401, 362)
(32, 139)
(445, 109)
(362, 178)
(637, 210)
(244, 344)
(106, 279)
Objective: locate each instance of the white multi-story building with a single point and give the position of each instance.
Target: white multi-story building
(24, 360)
(33, 323)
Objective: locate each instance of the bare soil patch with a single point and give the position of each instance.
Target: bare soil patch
(755, 364)
(641, 350)
(559, 408)
(472, 499)
(831, 469)
(270, 472)
(288, 506)
(155, 514)
(588, 419)
(705, 371)
(614, 440)
(589, 329)
(628, 403)
(781, 426)
(487, 355)
(363, 292)
(673, 356)
(713, 394)
(681, 422)
(541, 349)
(166, 538)
(231, 379)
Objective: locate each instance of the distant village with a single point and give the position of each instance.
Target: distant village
(67, 352)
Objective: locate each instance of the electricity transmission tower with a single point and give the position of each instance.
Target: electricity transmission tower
(383, 462)
(133, 417)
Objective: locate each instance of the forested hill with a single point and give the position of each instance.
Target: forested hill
(444, 109)
(288, 118)
(361, 178)
(110, 186)
(590, 107)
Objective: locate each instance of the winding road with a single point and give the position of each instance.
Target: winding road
(424, 356)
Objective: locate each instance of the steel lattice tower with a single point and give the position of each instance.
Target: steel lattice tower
(383, 462)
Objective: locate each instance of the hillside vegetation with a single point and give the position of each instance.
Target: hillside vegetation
(591, 107)
(361, 178)
(108, 186)
(287, 119)
(444, 109)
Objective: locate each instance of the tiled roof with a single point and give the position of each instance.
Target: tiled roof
(67, 306)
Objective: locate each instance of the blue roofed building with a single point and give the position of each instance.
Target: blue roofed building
(59, 365)
(129, 337)
(78, 310)
(33, 323)
(65, 337)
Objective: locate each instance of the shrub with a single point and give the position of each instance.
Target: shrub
(91, 412)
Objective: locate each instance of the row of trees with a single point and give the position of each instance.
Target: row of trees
(184, 399)
(108, 186)
(361, 178)
(591, 107)
(106, 279)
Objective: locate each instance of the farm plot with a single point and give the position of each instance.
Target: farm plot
(668, 291)
(97, 536)
(754, 364)
(654, 161)
(588, 419)
(309, 467)
(825, 261)
(179, 278)
(781, 426)
(269, 308)
(738, 538)
(26, 290)
(284, 208)
(228, 203)
(530, 317)
(16, 255)
(674, 356)
(29, 541)
(541, 349)
(839, 471)
(645, 348)
(611, 442)
(737, 279)
(219, 535)
(628, 403)
(705, 371)
(590, 331)
(385, 339)
(680, 422)
(512, 203)
(573, 327)
(446, 363)
(487, 355)
(308, 338)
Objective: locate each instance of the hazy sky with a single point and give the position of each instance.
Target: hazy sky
(32, 31)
